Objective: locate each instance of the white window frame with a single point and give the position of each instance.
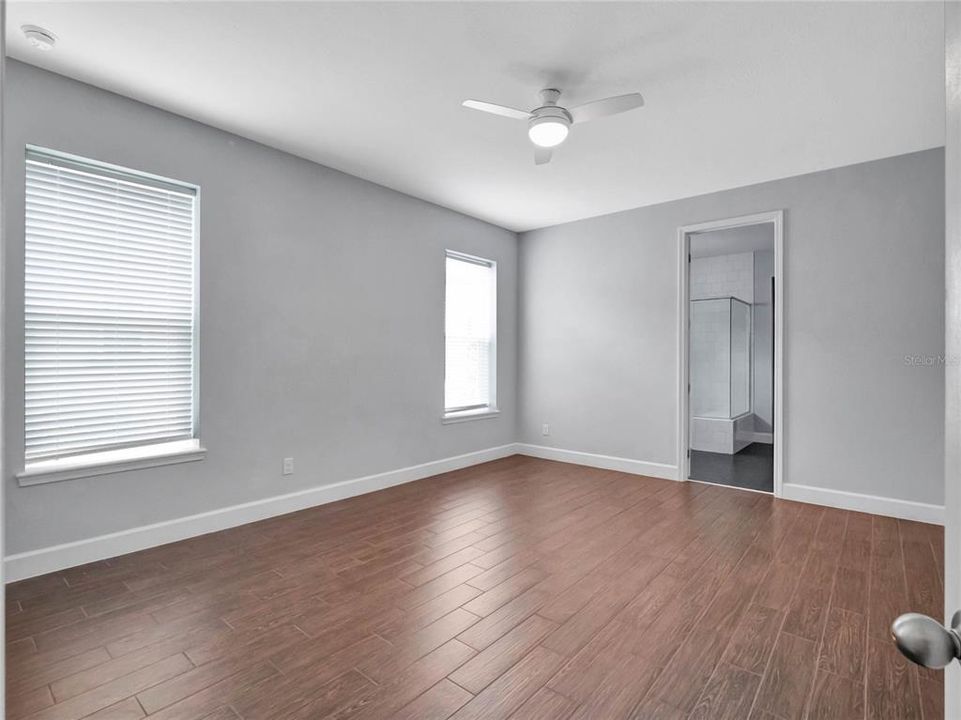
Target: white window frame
(137, 456)
(489, 410)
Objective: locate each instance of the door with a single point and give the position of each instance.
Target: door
(952, 505)
(927, 640)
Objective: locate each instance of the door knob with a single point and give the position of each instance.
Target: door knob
(927, 642)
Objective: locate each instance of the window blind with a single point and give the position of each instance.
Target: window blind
(470, 333)
(109, 308)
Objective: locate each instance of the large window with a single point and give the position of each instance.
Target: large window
(471, 336)
(110, 333)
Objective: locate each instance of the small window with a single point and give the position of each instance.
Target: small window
(471, 336)
(110, 307)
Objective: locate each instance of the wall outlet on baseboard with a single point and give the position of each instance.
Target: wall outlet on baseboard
(288, 466)
(545, 429)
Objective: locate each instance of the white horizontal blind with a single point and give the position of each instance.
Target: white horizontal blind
(470, 333)
(109, 308)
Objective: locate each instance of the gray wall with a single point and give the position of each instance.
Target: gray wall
(321, 316)
(864, 284)
(322, 331)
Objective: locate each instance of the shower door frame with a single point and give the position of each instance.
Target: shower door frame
(776, 217)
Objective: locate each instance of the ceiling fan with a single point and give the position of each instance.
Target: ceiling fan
(548, 125)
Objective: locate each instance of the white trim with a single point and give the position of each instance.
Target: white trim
(729, 487)
(606, 462)
(683, 292)
(111, 461)
(779, 354)
(683, 376)
(92, 166)
(468, 415)
(4, 339)
(58, 557)
(874, 504)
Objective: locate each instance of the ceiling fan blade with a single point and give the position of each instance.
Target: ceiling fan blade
(542, 155)
(502, 110)
(607, 106)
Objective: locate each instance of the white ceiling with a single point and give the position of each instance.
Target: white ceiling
(749, 238)
(737, 93)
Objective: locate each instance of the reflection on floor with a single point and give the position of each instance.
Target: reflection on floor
(752, 468)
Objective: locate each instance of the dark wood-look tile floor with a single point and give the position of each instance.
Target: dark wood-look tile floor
(517, 589)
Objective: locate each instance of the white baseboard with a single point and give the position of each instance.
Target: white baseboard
(606, 462)
(45, 560)
(758, 437)
(58, 557)
(904, 509)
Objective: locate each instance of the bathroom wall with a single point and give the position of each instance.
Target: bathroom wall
(720, 375)
(710, 359)
(722, 276)
(718, 363)
(747, 276)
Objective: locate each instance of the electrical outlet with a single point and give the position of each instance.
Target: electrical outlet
(288, 466)
(545, 429)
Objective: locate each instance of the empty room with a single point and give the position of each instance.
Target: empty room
(480, 360)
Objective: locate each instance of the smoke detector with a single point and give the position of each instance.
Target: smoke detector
(41, 39)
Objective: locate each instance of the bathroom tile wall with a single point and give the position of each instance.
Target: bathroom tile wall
(723, 276)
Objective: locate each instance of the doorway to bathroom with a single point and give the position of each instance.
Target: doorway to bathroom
(730, 330)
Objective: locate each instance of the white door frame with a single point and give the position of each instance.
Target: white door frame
(3, 350)
(683, 371)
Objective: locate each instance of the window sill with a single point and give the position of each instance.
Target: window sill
(467, 415)
(111, 461)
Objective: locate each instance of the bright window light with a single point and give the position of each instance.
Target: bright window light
(110, 351)
(470, 333)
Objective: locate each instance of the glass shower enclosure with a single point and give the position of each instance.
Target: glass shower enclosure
(720, 366)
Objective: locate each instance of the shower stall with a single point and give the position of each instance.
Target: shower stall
(720, 374)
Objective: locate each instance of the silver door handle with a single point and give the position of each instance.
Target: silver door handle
(927, 642)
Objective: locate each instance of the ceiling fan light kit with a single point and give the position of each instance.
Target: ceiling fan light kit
(549, 125)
